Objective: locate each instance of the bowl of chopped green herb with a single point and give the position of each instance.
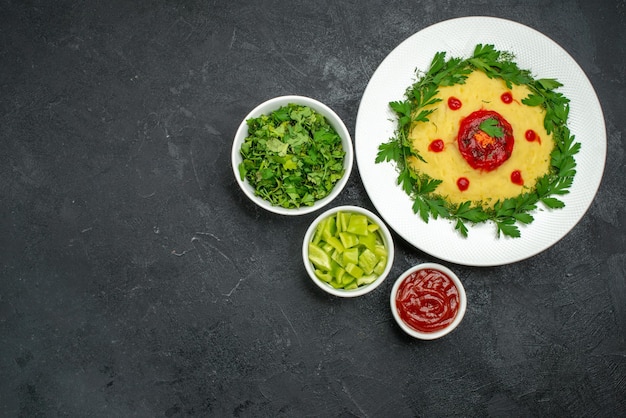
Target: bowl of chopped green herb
(292, 155)
(348, 251)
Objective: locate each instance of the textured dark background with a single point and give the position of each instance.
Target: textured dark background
(137, 280)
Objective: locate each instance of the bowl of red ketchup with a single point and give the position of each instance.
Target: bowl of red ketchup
(428, 301)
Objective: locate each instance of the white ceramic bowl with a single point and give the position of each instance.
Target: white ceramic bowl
(268, 107)
(434, 334)
(387, 241)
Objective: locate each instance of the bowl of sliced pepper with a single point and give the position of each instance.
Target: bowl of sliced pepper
(292, 155)
(348, 251)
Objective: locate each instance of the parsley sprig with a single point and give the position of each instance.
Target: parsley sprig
(490, 127)
(506, 214)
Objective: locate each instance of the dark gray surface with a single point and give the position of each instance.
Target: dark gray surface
(137, 280)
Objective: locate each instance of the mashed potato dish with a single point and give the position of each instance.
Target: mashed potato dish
(482, 140)
(472, 164)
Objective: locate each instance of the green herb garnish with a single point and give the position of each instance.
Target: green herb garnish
(292, 157)
(508, 213)
(490, 127)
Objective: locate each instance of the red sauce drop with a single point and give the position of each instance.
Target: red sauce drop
(516, 178)
(454, 103)
(436, 145)
(531, 136)
(462, 183)
(506, 97)
(480, 150)
(427, 300)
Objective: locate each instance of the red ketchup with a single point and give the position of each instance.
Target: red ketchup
(506, 97)
(531, 136)
(454, 103)
(516, 178)
(436, 145)
(481, 150)
(462, 183)
(427, 300)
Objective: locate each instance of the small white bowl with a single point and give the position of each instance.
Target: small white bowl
(268, 107)
(434, 334)
(387, 241)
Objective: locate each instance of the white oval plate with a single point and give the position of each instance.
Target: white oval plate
(376, 124)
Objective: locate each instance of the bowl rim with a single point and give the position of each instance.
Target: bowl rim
(386, 236)
(436, 334)
(267, 107)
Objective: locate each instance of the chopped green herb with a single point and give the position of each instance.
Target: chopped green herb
(292, 157)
